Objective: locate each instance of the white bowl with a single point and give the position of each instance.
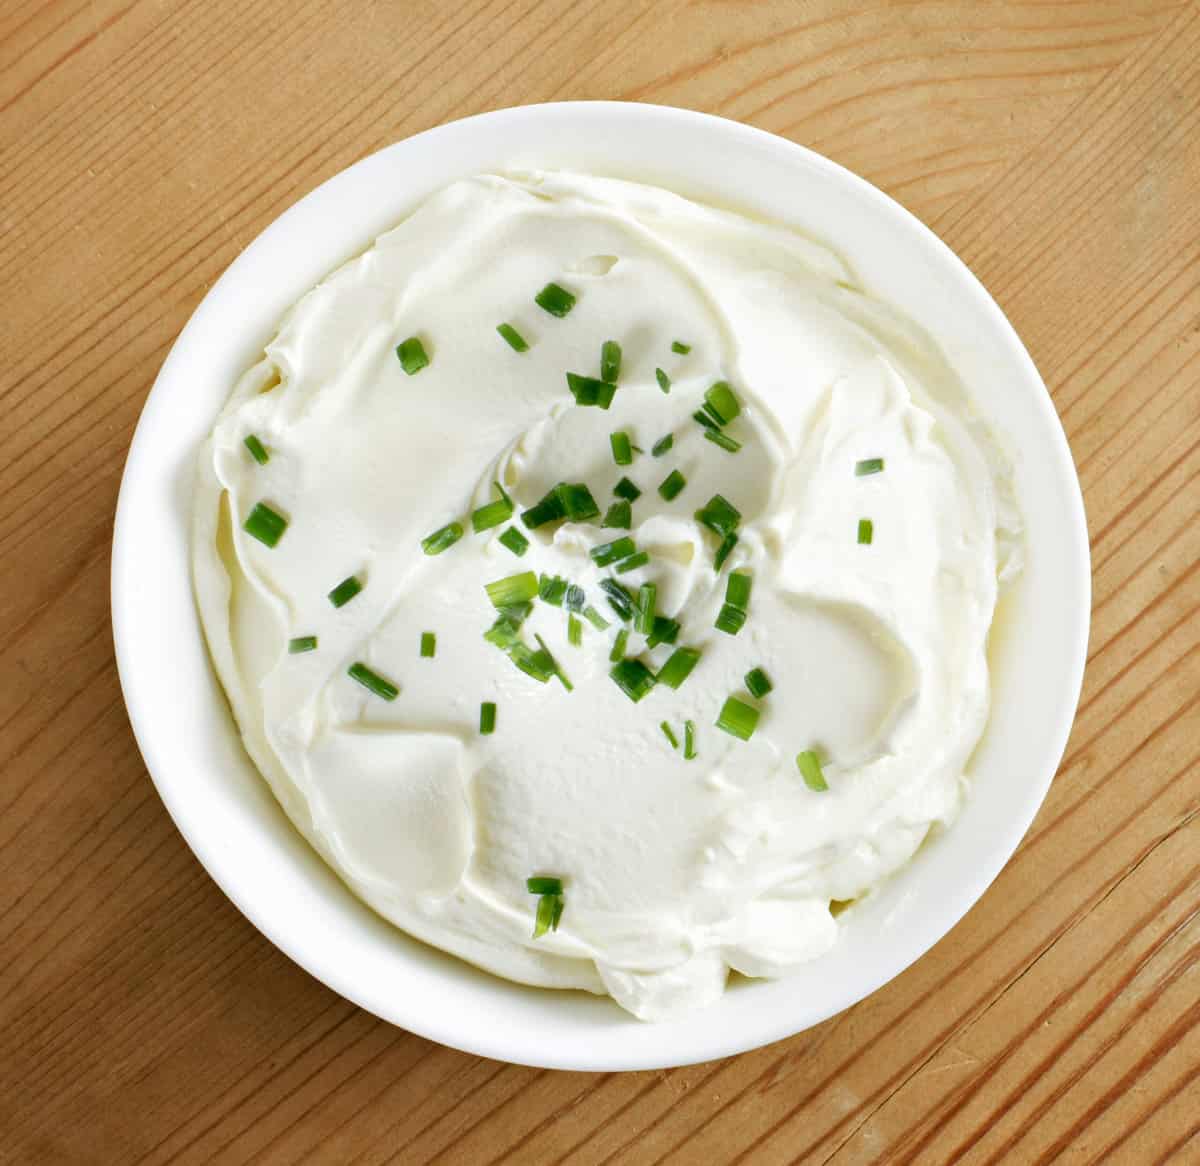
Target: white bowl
(230, 818)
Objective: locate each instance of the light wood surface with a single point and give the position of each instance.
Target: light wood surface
(1054, 145)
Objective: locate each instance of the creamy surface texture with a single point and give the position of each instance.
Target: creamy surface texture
(675, 871)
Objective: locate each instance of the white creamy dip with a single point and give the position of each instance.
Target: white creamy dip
(674, 870)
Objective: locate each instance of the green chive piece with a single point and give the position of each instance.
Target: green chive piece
(719, 515)
(517, 612)
(544, 885)
(622, 447)
(265, 524)
(758, 683)
(871, 465)
(610, 361)
(722, 402)
(574, 630)
(678, 667)
(595, 618)
(515, 541)
(704, 419)
(577, 501)
(664, 381)
(372, 681)
(544, 920)
(672, 485)
(513, 338)
(809, 765)
(689, 741)
(619, 598)
(412, 354)
(738, 719)
(555, 670)
(591, 390)
(258, 451)
(345, 591)
(492, 514)
(505, 633)
(727, 545)
(619, 643)
(537, 664)
(723, 440)
(680, 347)
(440, 540)
(665, 631)
(737, 589)
(646, 599)
(627, 490)
(487, 712)
(619, 516)
(302, 644)
(730, 619)
(633, 562)
(552, 589)
(549, 509)
(662, 445)
(575, 598)
(633, 678)
(606, 553)
(559, 905)
(512, 589)
(428, 644)
(866, 531)
(555, 300)
(669, 733)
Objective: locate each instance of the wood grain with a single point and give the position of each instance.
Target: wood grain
(1055, 144)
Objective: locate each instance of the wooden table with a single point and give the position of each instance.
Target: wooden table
(1054, 145)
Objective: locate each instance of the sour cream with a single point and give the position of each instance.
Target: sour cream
(675, 870)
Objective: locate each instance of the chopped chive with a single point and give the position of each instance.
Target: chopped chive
(622, 447)
(689, 741)
(606, 553)
(619, 516)
(730, 619)
(871, 465)
(620, 640)
(265, 524)
(515, 541)
(678, 667)
(539, 664)
(372, 681)
(591, 390)
(555, 670)
(491, 514)
(737, 589)
(618, 596)
(809, 765)
(544, 885)
(517, 612)
(664, 381)
(665, 631)
(574, 630)
(866, 531)
(595, 618)
(719, 515)
(549, 509)
(632, 563)
(662, 445)
(258, 451)
(505, 633)
(512, 589)
(727, 545)
(680, 347)
(512, 338)
(577, 501)
(712, 415)
(559, 906)
(345, 591)
(633, 678)
(738, 719)
(627, 490)
(672, 485)
(552, 589)
(428, 644)
(610, 361)
(441, 539)
(302, 644)
(544, 919)
(668, 732)
(758, 683)
(723, 440)
(487, 712)
(555, 299)
(722, 402)
(575, 598)
(704, 419)
(646, 599)
(412, 354)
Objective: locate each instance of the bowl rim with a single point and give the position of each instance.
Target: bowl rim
(445, 1027)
